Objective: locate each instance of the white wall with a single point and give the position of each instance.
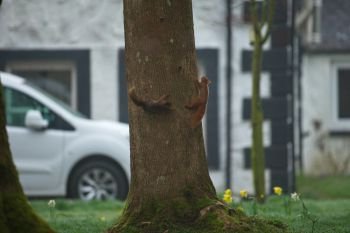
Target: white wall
(94, 25)
(318, 94)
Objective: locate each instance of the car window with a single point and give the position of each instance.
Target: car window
(57, 101)
(17, 105)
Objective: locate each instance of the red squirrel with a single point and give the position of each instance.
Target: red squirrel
(150, 105)
(199, 103)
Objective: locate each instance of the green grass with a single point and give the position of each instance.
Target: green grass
(96, 217)
(78, 216)
(330, 187)
(327, 198)
(333, 215)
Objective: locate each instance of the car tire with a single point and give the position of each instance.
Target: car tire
(98, 180)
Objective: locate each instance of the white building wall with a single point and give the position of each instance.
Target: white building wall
(104, 83)
(319, 105)
(94, 25)
(98, 26)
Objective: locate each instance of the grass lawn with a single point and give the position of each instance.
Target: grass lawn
(333, 215)
(330, 187)
(95, 217)
(78, 216)
(326, 198)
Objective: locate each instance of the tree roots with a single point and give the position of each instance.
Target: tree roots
(215, 217)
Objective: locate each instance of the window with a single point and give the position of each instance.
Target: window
(315, 22)
(343, 93)
(75, 61)
(55, 77)
(309, 20)
(341, 96)
(17, 105)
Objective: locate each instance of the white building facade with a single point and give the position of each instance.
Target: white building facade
(325, 75)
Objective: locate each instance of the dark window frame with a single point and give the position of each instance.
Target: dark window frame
(343, 81)
(79, 57)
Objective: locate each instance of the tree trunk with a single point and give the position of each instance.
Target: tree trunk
(170, 189)
(16, 215)
(168, 157)
(258, 156)
(260, 37)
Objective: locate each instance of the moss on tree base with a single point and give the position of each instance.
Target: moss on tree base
(202, 216)
(17, 216)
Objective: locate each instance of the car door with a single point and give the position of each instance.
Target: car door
(36, 153)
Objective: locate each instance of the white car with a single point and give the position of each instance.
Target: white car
(58, 152)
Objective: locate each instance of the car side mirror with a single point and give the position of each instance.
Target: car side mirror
(34, 120)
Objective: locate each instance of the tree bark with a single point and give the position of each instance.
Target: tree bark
(170, 189)
(257, 115)
(16, 215)
(168, 156)
(257, 118)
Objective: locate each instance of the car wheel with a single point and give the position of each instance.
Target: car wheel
(97, 180)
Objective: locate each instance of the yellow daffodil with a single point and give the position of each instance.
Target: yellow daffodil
(227, 198)
(228, 192)
(243, 193)
(277, 190)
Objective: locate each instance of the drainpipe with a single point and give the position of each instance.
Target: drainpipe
(298, 75)
(291, 182)
(228, 171)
